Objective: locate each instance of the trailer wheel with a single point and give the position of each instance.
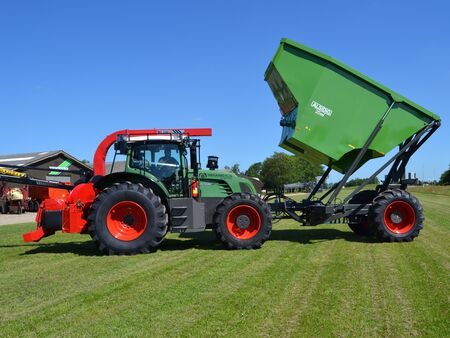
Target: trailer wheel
(243, 221)
(360, 225)
(396, 216)
(127, 218)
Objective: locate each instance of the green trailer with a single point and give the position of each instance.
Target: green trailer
(335, 116)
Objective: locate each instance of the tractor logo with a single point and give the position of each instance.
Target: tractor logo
(320, 109)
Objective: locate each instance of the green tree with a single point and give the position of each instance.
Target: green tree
(281, 168)
(445, 177)
(254, 170)
(357, 181)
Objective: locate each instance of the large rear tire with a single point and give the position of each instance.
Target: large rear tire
(396, 216)
(127, 218)
(243, 221)
(360, 224)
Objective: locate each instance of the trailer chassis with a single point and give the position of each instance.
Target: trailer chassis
(314, 211)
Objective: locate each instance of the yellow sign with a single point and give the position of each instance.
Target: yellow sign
(9, 172)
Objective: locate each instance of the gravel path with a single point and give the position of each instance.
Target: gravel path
(27, 217)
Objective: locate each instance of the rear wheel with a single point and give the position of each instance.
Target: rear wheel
(127, 218)
(243, 221)
(360, 224)
(396, 216)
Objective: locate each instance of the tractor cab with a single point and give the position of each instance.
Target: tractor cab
(160, 160)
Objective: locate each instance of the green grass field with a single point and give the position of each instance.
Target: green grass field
(306, 281)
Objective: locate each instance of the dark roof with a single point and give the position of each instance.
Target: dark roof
(32, 158)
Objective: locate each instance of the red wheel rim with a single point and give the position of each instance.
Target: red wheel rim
(126, 220)
(399, 217)
(243, 222)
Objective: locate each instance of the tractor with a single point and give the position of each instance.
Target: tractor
(161, 189)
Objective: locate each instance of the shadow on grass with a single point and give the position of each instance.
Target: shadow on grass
(87, 248)
(315, 235)
(201, 241)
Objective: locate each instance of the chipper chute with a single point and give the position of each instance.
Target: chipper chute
(336, 116)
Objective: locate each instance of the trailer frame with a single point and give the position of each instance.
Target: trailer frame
(314, 211)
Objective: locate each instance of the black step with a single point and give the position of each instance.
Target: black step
(177, 211)
(178, 229)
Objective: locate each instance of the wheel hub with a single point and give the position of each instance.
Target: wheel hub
(243, 221)
(128, 220)
(396, 217)
(399, 217)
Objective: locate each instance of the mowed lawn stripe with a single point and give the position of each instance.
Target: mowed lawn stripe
(299, 296)
(189, 298)
(343, 301)
(38, 286)
(214, 297)
(105, 299)
(249, 302)
(424, 284)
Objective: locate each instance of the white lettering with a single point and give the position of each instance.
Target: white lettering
(320, 109)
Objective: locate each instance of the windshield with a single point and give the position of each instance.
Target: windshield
(161, 160)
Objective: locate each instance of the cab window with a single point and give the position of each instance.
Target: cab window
(161, 160)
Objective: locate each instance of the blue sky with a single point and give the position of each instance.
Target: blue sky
(73, 71)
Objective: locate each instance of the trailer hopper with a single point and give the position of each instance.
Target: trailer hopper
(329, 110)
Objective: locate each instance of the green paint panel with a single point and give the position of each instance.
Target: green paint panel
(218, 183)
(64, 164)
(330, 109)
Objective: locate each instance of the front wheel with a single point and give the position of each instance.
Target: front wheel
(396, 216)
(243, 221)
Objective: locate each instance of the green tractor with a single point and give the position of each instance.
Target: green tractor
(161, 189)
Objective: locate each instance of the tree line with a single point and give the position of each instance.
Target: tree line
(280, 169)
(445, 177)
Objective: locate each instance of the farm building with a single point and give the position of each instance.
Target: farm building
(46, 159)
(28, 197)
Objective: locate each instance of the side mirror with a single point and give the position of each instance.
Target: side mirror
(213, 163)
(121, 147)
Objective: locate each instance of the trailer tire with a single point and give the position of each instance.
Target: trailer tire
(243, 221)
(397, 216)
(127, 219)
(360, 225)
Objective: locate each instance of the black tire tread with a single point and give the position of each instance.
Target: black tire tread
(220, 229)
(376, 215)
(161, 218)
